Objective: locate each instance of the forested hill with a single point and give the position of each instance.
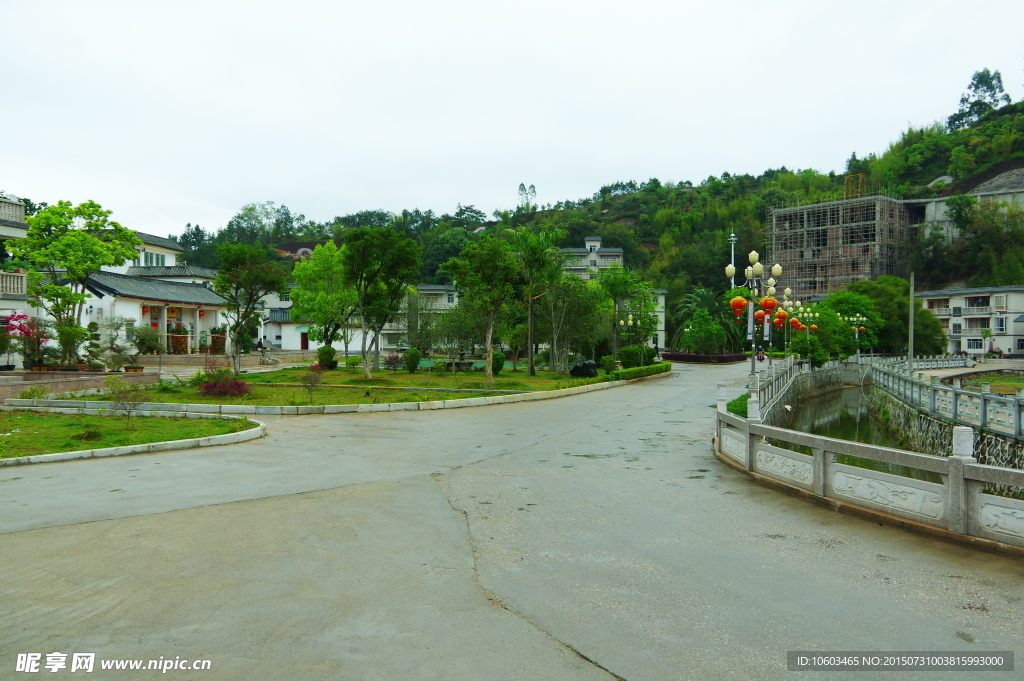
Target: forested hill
(677, 234)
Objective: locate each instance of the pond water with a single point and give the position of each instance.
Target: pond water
(843, 414)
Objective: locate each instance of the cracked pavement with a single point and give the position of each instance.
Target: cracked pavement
(586, 537)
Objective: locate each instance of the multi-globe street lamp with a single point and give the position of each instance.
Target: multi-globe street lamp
(757, 285)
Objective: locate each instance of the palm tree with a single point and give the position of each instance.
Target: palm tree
(620, 285)
(714, 303)
(540, 260)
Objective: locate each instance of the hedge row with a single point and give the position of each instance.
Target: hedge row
(640, 372)
(738, 406)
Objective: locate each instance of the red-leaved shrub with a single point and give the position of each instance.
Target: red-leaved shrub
(229, 388)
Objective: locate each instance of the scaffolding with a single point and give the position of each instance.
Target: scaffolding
(824, 246)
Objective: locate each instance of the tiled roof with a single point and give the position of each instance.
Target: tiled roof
(609, 250)
(172, 271)
(152, 240)
(281, 315)
(435, 287)
(140, 288)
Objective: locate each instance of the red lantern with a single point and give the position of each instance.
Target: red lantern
(769, 303)
(759, 316)
(202, 313)
(781, 315)
(795, 323)
(738, 304)
(145, 310)
(862, 329)
(814, 328)
(803, 328)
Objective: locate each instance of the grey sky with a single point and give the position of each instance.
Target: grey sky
(180, 112)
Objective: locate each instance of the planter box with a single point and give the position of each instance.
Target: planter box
(704, 359)
(179, 345)
(134, 370)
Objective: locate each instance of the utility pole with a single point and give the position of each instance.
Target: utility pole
(910, 343)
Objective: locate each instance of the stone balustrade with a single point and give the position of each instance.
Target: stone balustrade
(958, 503)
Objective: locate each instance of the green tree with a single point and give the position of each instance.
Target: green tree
(379, 265)
(65, 245)
(322, 296)
(890, 296)
(540, 261)
(619, 284)
(246, 275)
(702, 334)
(984, 94)
(486, 271)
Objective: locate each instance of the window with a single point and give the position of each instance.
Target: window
(957, 328)
(974, 344)
(451, 297)
(1000, 325)
(977, 301)
(593, 263)
(154, 259)
(593, 248)
(999, 302)
(1020, 343)
(286, 297)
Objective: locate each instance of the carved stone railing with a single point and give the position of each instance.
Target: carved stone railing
(958, 503)
(986, 410)
(12, 283)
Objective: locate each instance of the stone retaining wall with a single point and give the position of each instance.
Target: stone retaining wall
(57, 381)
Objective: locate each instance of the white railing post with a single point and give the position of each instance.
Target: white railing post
(721, 398)
(956, 485)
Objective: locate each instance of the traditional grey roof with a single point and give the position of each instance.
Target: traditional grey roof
(967, 291)
(281, 315)
(1019, 319)
(152, 240)
(610, 250)
(123, 286)
(172, 271)
(435, 287)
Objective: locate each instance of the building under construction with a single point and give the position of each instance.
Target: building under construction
(824, 246)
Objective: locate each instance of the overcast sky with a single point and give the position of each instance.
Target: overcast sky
(170, 113)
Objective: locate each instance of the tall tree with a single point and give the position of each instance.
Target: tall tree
(64, 245)
(487, 272)
(539, 259)
(984, 94)
(246, 275)
(619, 284)
(379, 265)
(322, 295)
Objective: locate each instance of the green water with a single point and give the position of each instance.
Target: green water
(843, 414)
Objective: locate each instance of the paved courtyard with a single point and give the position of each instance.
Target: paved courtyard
(589, 537)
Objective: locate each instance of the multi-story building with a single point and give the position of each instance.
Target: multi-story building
(965, 313)
(588, 262)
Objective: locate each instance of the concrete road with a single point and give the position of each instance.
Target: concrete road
(582, 538)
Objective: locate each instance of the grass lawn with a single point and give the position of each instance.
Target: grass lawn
(506, 380)
(269, 394)
(26, 433)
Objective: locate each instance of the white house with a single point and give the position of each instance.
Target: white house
(966, 312)
(588, 262)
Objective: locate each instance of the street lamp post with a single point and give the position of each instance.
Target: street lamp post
(732, 258)
(754, 273)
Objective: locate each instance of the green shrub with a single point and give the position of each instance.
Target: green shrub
(609, 364)
(325, 355)
(650, 354)
(412, 358)
(629, 356)
(542, 357)
(738, 406)
(640, 372)
(497, 362)
(37, 392)
(353, 362)
(441, 365)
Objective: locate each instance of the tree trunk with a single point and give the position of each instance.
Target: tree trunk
(529, 332)
(376, 350)
(489, 355)
(615, 329)
(362, 326)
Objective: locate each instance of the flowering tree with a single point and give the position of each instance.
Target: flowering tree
(30, 334)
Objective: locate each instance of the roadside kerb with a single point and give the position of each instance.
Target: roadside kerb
(190, 443)
(152, 407)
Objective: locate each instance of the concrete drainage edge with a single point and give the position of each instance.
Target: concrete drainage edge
(178, 409)
(167, 445)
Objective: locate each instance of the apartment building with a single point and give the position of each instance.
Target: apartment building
(968, 315)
